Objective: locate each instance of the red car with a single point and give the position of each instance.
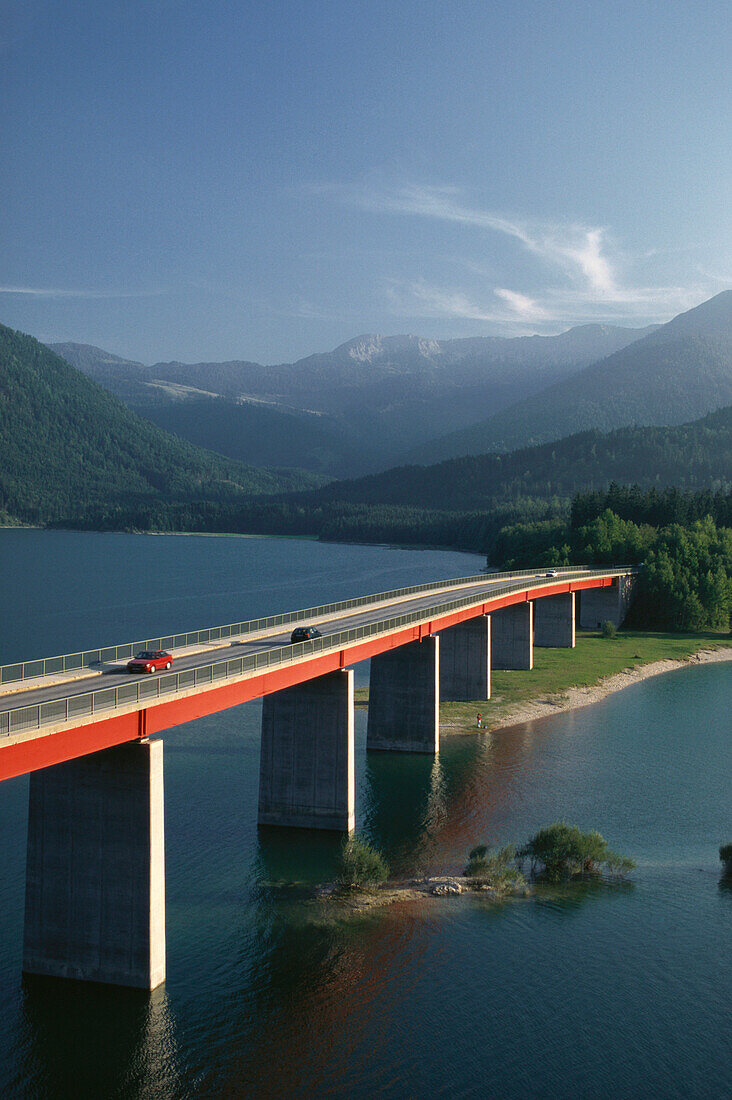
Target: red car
(150, 660)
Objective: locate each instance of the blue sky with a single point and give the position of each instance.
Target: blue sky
(214, 180)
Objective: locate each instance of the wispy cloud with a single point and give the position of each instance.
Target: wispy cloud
(429, 301)
(63, 292)
(576, 248)
(716, 276)
(582, 272)
(524, 307)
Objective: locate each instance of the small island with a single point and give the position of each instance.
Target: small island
(557, 853)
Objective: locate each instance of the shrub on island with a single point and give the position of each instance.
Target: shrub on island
(361, 865)
(725, 854)
(496, 870)
(557, 852)
(562, 851)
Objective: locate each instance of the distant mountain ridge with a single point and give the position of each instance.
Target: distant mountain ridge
(354, 408)
(376, 402)
(679, 372)
(477, 358)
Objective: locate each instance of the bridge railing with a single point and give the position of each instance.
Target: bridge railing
(93, 658)
(140, 692)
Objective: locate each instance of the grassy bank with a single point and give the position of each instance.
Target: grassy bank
(557, 671)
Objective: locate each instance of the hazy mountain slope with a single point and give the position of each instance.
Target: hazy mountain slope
(263, 435)
(213, 415)
(67, 445)
(325, 379)
(680, 371)
(694, 456)
(710, 318)
(424, 364)
(379, 394)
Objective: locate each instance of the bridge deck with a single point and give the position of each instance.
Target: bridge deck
(46, 720)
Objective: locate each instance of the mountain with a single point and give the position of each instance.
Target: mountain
(695, 456)
(355, 408)
(680, 371)
(69, 447)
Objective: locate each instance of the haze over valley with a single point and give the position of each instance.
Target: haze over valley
(94, 439)
(380, 401)
(360, 406)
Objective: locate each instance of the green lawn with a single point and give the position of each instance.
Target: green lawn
(557, 670)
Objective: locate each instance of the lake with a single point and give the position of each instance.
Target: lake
(593, 991)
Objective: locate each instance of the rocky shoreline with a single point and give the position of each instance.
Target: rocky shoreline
(433, 886)
(576, 697)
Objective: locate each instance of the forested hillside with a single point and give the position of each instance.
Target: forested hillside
(683, 542)
(466, 503)
(264, 434)
(67, 446)
(691, 456)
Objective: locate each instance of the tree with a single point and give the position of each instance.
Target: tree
(559, 851)
(361, 864)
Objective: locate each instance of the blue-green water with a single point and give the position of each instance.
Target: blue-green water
(596, 992)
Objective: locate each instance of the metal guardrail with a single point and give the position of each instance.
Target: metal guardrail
(22, 719)
(92, 658)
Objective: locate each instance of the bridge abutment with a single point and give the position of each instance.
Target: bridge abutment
(306, 772)
(404, 698)
(465, 660)
(554, 618)
(512, 636)
(95, 872)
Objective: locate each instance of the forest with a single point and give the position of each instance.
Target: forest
(685, 579)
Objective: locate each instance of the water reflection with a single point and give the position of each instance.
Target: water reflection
(85, 1040)
(289, 856)
(314, 991)
(396, 800)
(426, 813)
(572, 896)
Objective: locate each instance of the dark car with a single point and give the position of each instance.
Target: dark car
(304, 634)
(150, 660)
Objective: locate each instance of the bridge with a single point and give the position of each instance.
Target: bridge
(82, 728)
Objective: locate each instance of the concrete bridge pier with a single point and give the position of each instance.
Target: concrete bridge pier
(404, 698)
(95, 875)
(306, 771)
(609, 604)
(512, 637)
(554, 622)
(465, 660)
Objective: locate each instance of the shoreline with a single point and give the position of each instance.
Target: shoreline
(574, 698)
(251, 535)
(429, 888)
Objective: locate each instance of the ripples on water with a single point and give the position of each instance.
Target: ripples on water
(594, 991)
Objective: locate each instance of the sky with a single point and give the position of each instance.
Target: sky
(224, 179)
